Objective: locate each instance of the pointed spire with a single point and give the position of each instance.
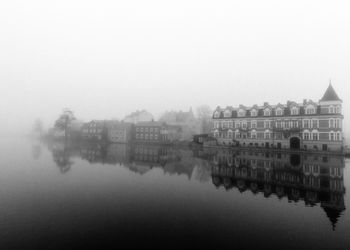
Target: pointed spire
(330, 94)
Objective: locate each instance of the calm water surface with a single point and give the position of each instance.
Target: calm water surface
(88, 195)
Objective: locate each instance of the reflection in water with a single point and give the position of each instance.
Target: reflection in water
(313, 178)
(61, 153)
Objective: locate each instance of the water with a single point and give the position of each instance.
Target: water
(92, 196)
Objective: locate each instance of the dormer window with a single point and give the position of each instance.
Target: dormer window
(217, 114)
(310, 110)
(253, 112)
(279, 111)
(294, 111)
(267, 112)
(227, 113)
(241, 113)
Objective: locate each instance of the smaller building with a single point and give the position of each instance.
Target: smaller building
(94, 130)
(119, 132)
(150, 132)
(201, 138)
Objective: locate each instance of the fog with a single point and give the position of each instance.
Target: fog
(105, 59)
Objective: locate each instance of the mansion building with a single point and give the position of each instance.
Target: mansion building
(309, 125)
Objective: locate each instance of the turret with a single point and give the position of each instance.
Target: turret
(330, 103)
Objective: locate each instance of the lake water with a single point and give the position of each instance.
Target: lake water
(57, 196)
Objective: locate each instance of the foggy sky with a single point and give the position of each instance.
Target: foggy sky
(105, 59)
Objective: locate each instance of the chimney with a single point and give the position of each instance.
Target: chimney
(266, 103)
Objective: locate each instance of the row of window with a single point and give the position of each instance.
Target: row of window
(308, 136)
(92, 131)
(147, 136)
(146, 129)
(306, 123)
(310, 110)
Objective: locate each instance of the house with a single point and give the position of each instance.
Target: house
(94, 130)
(151, 132)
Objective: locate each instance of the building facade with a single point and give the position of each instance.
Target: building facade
(119, 132)
(309, 125)
(184, 119)
(94, 130)
(151, 132)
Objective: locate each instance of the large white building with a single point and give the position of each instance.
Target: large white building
(308, 125)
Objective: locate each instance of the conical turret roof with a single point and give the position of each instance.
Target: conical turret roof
(330, 95)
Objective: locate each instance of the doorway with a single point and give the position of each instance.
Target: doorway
(294, 143)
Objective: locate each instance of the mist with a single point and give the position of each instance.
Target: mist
(106, 59)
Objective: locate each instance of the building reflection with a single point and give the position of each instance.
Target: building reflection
(315, 179)
(141, 158)
(312, 178)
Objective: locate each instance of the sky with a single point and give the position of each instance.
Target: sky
(105, 59)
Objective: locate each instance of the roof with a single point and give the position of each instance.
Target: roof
(330, 95)
(151, 123)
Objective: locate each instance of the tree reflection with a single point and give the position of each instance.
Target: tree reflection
(61, 155)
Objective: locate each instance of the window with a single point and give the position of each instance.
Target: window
(306, 136)
(338, 109)
(244, 124)
(217, 114)
(230, 134)
(294, 124)
(315, 136)
(267, 124)
(306, 123)
(331, 136)
(227, 113)
(279, 111)
(231, 124)
(237, 125)
(267, 112)
(310, 111)
(253, 124)
(241, 113)
(254, 112)
(338, 137)
(337, 123)
(253, 135)
(331, 109)
(216, 125)
(294, 111)
(314, 124)
(267, 135)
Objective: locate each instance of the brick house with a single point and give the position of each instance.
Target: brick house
(308, 125)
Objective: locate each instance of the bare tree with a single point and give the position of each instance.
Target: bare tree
(64, 121)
